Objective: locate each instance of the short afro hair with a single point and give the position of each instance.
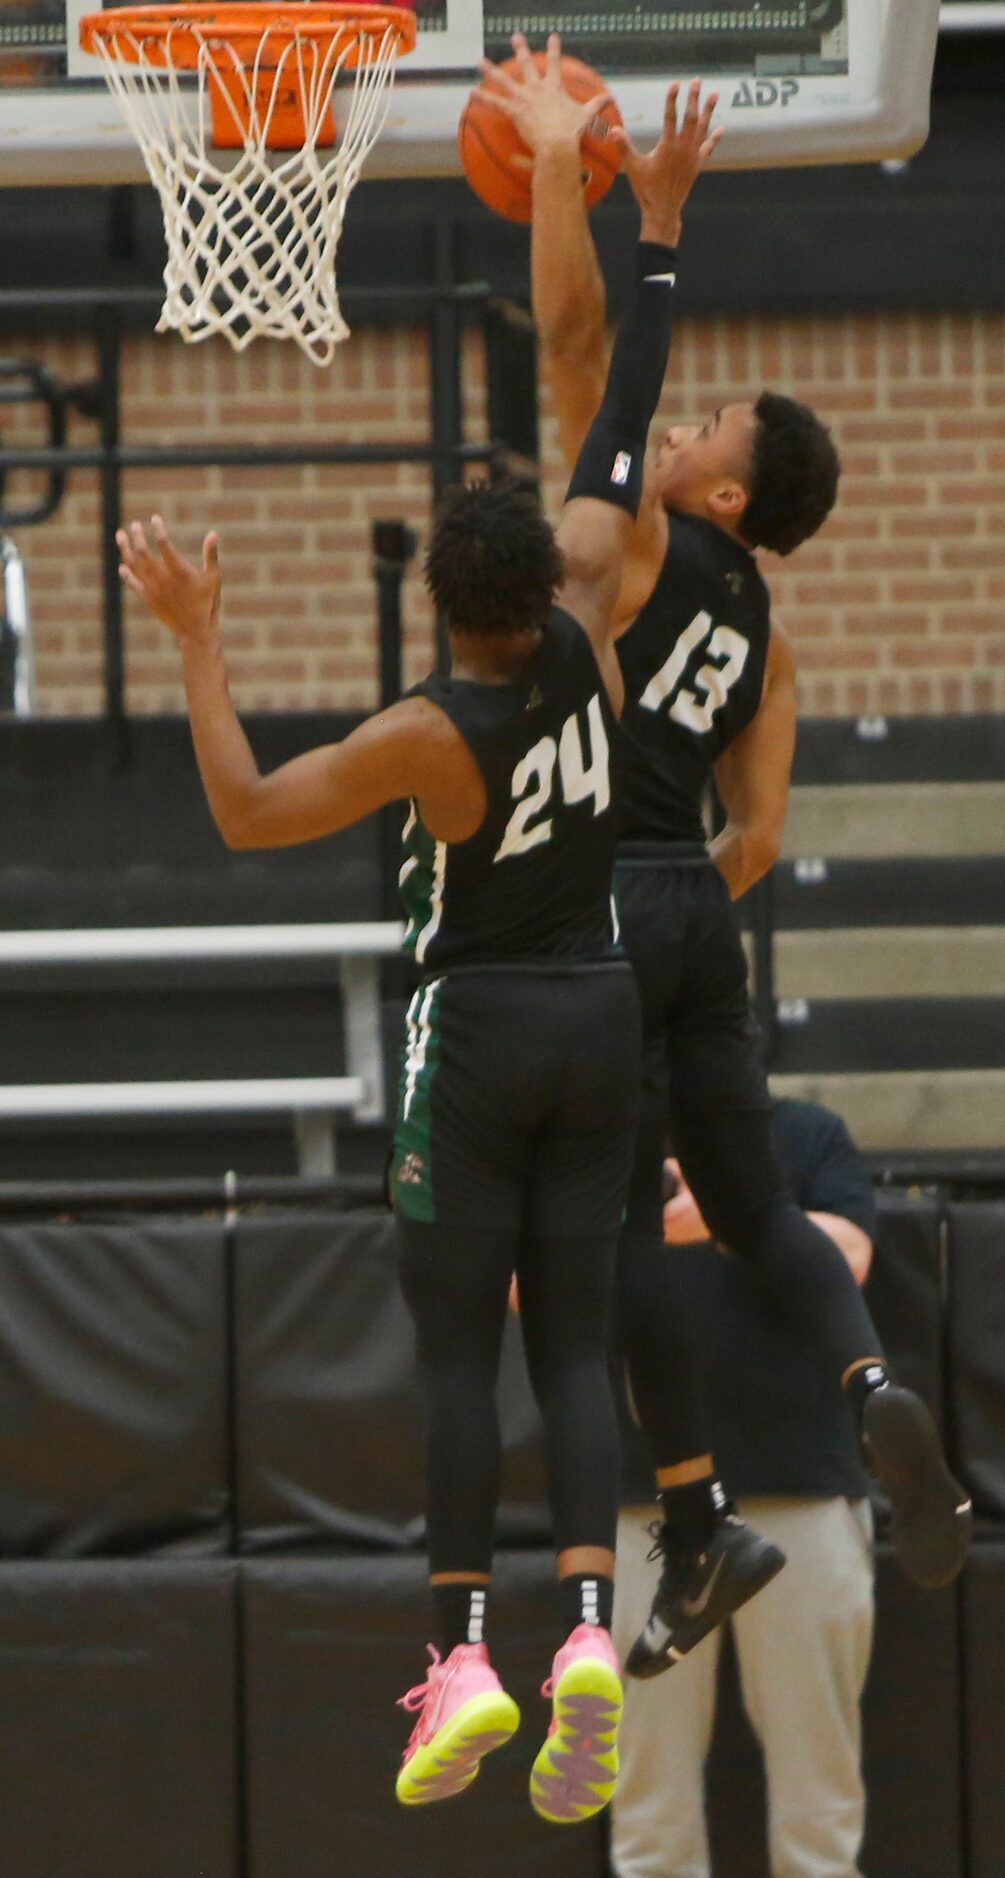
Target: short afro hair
(794, 475)
(493, 563)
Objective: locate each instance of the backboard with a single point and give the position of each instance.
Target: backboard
(805, 82)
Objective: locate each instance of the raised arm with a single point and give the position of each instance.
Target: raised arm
(568, 296)
(569, 301)
(411, 749)
(606, 414)
(606, 487)
(567, 286)
(752, 777)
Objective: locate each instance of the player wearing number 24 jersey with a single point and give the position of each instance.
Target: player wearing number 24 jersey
(543, 746)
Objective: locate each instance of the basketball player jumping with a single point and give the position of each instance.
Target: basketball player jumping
(709, 689)
(520, 1074)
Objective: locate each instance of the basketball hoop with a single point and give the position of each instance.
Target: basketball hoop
(251, 239)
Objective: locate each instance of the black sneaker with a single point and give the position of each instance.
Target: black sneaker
(699, 1590)
(933, 1518)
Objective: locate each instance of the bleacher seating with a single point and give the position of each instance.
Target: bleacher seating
(889, 917)
(888, 955)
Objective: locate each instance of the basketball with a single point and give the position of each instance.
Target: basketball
(498, 164)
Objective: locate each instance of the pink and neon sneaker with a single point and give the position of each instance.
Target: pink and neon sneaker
(575, 1773)
(464, 1712)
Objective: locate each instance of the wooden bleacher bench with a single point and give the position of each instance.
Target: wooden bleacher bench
(313, 1101)
(889, 931)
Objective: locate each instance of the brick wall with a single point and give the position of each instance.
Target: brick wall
(897, 606)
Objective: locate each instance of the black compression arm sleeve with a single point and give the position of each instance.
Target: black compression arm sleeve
(611, 459)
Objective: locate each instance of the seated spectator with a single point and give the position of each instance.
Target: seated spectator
(786, 1450)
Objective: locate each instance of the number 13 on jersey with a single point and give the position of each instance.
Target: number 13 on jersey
(581, 776)
(715, 681)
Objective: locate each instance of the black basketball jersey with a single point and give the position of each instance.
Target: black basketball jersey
(693, 663)
(534, 882)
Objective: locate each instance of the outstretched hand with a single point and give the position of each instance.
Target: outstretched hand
(185, 598)
(537, 102)
(663, 179)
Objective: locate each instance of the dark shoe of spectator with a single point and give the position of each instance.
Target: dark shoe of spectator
(697, 1591)
(932, 1515)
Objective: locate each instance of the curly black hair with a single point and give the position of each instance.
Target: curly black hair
(493, 563)
(794, 475)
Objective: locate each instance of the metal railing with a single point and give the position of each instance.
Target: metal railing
(313, 1101)
(442, 310)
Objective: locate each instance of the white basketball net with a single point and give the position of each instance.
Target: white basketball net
(252, 234)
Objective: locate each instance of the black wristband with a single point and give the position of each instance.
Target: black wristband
(611, 461)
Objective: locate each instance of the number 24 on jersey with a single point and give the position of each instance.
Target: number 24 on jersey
(580, 777)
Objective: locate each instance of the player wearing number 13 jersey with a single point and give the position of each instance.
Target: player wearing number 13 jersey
(709, 691)
(520, 1073)
(693, 661)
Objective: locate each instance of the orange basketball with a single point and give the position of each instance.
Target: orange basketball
(497, 162)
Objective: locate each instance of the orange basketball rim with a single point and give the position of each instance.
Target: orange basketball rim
(241, 48)
(254, 189)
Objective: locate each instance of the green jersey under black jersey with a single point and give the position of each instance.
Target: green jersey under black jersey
(534, 882)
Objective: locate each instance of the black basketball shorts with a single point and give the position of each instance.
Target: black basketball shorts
(704, 1084)
(518, 1101)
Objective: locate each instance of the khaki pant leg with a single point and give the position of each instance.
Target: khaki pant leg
(658, 1813)
(803, 1646)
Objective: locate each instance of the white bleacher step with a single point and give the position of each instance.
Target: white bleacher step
(237, 1095)
(357, 947)
(925, 1110)
(118, 945)
(311, 1101)
(858, 821)
(890, 962)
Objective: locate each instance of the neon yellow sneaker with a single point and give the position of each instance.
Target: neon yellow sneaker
(464, 1712)
(576, 1771)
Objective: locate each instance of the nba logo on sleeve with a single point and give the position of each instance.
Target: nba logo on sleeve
(622, 465)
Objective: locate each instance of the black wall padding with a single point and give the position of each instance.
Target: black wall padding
(911, 1734)
(912, 1731)
(329, 1647)
(984, 1655)
(117, 1720)
(904, 1293)
(328, 1415)
(87, 841)
(977, 1343)
(112, 1388)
